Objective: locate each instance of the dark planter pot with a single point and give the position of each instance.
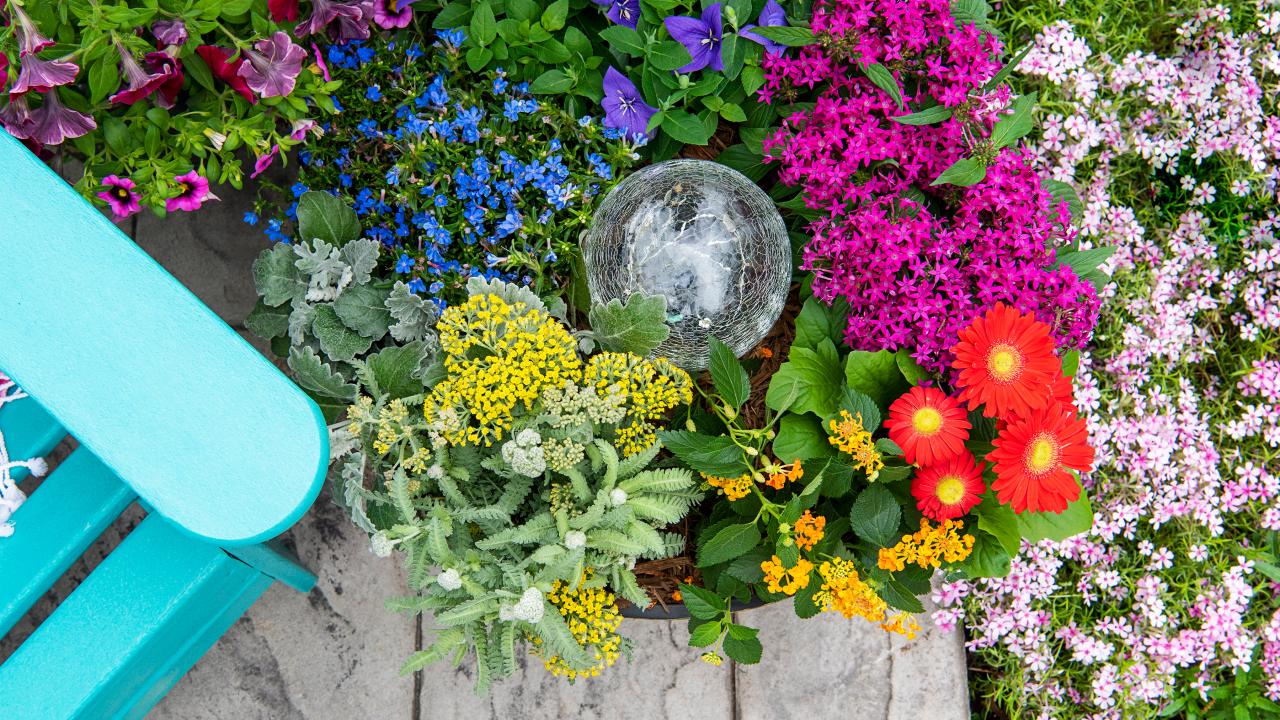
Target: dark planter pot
(678, 611)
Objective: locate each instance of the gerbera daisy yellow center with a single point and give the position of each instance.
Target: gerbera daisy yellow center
(926, 421)
(1042, 454)
(1004, 362)
(950, 490)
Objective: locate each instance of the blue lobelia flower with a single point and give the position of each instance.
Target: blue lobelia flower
(251, 217)
(373, 92)
(771, 16)
(416, 286)
(702, 37)
(624, 108)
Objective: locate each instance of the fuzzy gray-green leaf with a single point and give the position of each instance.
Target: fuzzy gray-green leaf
(315, 375)
(636, 326)
(337, 340)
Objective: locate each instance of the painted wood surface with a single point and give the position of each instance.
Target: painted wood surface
(200, 425)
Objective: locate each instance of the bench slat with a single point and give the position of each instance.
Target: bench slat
(131, 629)
(29, 431)
(53, 527)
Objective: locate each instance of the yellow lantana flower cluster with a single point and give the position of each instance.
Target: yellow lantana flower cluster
(928, 547)
(786, 580)
(780, 475)
(497, 356)
(809, 530)
(592, 617)
(734, 488)
(844, 592)
(850, 436)
(903, 623)
(651, 388)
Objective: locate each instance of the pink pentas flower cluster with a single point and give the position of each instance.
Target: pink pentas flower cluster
(916, 263)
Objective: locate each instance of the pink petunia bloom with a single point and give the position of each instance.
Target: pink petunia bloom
(193, 190)
(264, 161)
(30, 41)
(120, 196)
(16, 118)
(272, 68)
(351, 18)
(165, 64)
(169, 32)
(320, 63)
(301, 127)
(390, 14)
(54, 122)
(226, 70)
(42, 75)
(140, 83)
(283, 10)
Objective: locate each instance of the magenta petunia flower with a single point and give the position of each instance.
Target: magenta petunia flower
(283, 10)
(169, 32)
(271, 69)
(193, 190)
(120, 196)
(264, 161)
(42, 75)
(299, 129)
(624, 107)
(140, 83)
(16, 118)
(30, 41)
(53, 122)
(326, 12)
(320, 63)
(390, 14)
(163, 63)
(702, 37)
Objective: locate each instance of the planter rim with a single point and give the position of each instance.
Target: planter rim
(677, 611)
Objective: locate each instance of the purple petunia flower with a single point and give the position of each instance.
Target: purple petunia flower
(299, 128)
(622, 12)
(30, 41)
(324, 69)
(53, 122)
(624, 108)
(139, 83)
(120, 196)
(193, 190)
(390, 14)
(262, 163)
(771, 16)
(272, 68)
(42, 75)
(16, 118)
(701, 37)
(169, 32)
(325, 12)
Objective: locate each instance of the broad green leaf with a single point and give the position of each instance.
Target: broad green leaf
(744, 650)
(875, 516)
(809, 381)
(685, 128)
(730, 542)
(880, 76)
(337, 340)
(267, 322)
(1009, 128)
(788, 35)
(1000, 521)
(551, 82)
(1083, 262)
(898, 596)
(1071, 363)
(637, 326)
(394, 369)
(668, 55)
(714, 455)
(801, 436)
(702, 603)
(1076, 519)
(705, 634)
(1063, 192)
(317, 376)
(624, 40)
(963, 173)
(322, 216)
(553, 18)
(819, 321)
(988, 559)
(363, 308)
(909, 368)
(928, 116)
(752, 79)
(276, 277)
(876, 375)
(484, 27)
(727, 373)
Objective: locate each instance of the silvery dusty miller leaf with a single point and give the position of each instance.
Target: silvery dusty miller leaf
(317, 376)
(337, 340)
(637, 327)
(276, 277)
(414, 316)
(363, 308)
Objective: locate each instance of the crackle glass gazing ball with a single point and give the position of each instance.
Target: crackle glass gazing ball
(704, 236)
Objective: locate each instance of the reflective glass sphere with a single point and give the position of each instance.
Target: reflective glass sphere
(705, 237)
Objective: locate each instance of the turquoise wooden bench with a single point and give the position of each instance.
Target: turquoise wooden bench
(172, 409)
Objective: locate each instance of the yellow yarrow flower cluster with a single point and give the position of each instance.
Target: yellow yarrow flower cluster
(390, 425)
(497, 356)
(850, 436)
(650, 387)
(844, 592)
(786, 580)
(592, 617)
(928, 547)
(732, 488)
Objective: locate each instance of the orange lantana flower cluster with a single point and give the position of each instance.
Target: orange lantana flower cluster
(929, 547)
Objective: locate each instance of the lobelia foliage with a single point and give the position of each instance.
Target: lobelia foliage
(522, 470)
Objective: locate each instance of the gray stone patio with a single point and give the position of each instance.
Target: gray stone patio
(336, 652)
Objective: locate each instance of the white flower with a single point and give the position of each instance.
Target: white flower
(528, 437)
(575, 539)
(618, 496)
(449, 579)
(506, 613)
(530, 607)
(435, 472)
(380, 544)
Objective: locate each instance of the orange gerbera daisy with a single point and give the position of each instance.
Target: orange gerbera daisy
(949, 489)
(1006, 362)
(929, 426)
(1032, 456)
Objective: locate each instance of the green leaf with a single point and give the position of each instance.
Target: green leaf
(714, 455)
(445, 643)
(267, 322)
(928, 116)
(1009, 128)
(880, 76)
(727, 373)
(337, 340)
(1083, 262)
(637, 326)
(1071, 363)
(1000, 521)
(705, 634)
(553, 18)
(729, 543)
(1076, 519)
(745, 650)
(732, 113)
(668, 55)
(276, 277)
(875, 516)
(1063, 192)
(801, 436)
(787, 35)
(963, 173)
(752, 79)
(315, 375)
(322, 216)
(809, 381)
(484, 27)
(414, 316)
(478, 57)
(988, 559)
(363, 308)
(684, 127)
(103, 78)
(393, 369)
(747, 567)
(702, 603)
(909, 368)
(1008, 69)
(898, 596)
(875, 374)
(551, 82)
(818, 321)
(624, 40)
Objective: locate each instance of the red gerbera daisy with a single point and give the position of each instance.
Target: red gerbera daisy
(927, 425)
(1006, 362)
(1062, 389)
(1032, 456)
(949, 489)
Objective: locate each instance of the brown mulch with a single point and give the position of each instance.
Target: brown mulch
(725, 135)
